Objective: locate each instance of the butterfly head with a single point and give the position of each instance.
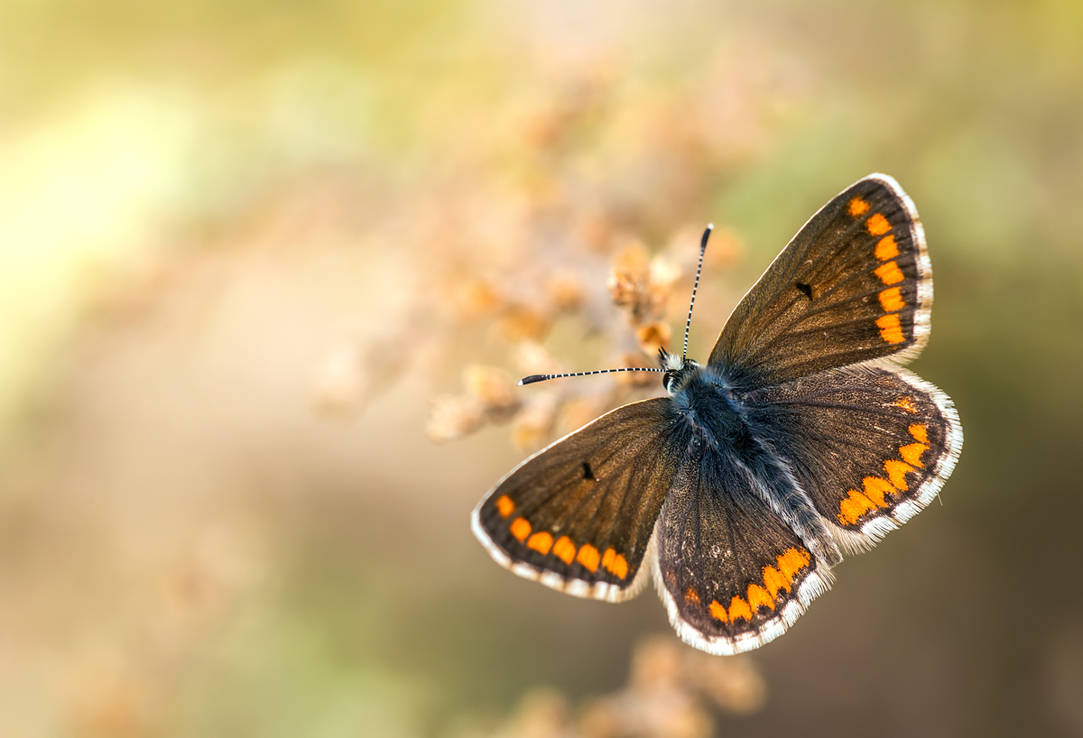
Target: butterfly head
(677, 370)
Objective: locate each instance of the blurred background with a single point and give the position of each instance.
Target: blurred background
(269, 270)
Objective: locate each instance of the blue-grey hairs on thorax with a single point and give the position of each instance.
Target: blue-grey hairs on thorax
(715, 413)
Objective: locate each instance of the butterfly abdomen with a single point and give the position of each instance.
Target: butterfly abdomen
(721, 420)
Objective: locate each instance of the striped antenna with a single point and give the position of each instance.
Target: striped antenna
(663, 356)
(543, 377)
(695, 286)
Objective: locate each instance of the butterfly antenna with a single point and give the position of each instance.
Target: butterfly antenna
(695, 286)
(661, 352)
(543, 377)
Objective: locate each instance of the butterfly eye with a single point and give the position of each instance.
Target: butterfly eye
(668, 378)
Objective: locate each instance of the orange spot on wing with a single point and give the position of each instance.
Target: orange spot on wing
(896, 472)
(891, 300)
(615, 563)
(876, 489)
(853, 507)
(691, 595)
(792, 561)
(911, 453)
(618, 567)
(564, 549)
(540, 542)
(774, 580)
(718, 612)
(589, 557)
(907, 404)
(890, 328)
(758, 597)
(889, 273)
(858, 207)
(886, 248)
(877, 224)
(739, 609)
(520, 528)
(504, 506)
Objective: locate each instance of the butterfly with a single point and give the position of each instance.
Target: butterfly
(801, 439)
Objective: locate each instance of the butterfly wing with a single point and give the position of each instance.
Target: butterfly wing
(869, 446)
(854, 284)
(578, 516)
(732, 574)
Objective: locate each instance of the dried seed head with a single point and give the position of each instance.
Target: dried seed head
(474, 298)
(566, 291)
(534, 423)
(733, 684)
(531, 357)
(665, 274)
(493, 388)
(628, 276)
(520, 322)
(453, 417)
(653, 336)
(595, 230)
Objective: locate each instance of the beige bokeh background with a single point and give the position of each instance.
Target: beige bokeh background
(248, 251)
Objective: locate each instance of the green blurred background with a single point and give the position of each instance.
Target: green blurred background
(230, 234)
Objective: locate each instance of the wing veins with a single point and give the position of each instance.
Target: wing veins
(847, 239)
(841, 406)
(574, 478)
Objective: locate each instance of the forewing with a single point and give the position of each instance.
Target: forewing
(870, 446)
(578, 516)
(854, 284)
(732, 573)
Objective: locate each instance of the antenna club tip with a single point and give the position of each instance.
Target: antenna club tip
(520, 383)
(710, 226)
(532, 379)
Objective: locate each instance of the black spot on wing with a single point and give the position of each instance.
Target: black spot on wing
(588, 473)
